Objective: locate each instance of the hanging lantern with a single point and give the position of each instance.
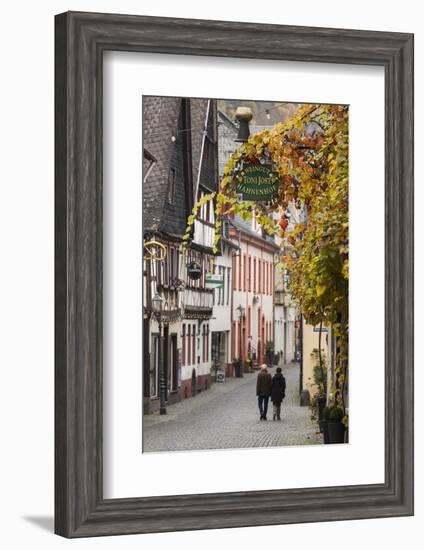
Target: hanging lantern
(244, 116)
(194, 270)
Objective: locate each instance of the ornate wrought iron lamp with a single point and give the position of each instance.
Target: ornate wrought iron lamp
(157, 305)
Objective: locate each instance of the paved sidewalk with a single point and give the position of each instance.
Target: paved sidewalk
(227, 416)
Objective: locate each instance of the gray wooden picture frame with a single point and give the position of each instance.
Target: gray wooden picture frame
(80, 40)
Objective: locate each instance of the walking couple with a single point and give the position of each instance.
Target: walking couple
(274, 387)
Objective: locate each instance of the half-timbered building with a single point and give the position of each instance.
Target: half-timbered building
(179, 166)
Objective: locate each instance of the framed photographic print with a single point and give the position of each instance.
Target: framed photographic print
(234, 274)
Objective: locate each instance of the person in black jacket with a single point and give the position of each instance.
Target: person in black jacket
(263, 390)
(278, 392)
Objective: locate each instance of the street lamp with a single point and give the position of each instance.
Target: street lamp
(244, 115)
(157, 302)
(241, 311)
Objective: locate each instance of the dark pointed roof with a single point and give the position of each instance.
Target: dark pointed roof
(173, 130)
(198, 108)
(160, 123)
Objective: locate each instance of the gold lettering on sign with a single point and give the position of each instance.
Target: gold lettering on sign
(257, 183)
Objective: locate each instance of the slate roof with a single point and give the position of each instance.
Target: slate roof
(160, 122)
(197, 121)
(183, 119)
(208, 177)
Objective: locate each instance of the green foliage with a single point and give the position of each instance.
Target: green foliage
(313, 172)
(326, 413)
(320, 372)
(314, 408)
(335, 414)
(269, 346)
(320, 378)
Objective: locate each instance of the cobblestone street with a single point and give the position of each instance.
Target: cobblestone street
(227, 416)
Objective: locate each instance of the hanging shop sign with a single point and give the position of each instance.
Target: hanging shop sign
(154, 250)
(258, 183)
(194, 270)
(323, 329)
(214, 280)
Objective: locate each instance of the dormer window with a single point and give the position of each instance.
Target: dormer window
(171, 185)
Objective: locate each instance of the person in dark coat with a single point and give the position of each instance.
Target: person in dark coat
(278, 392)
(263, 390)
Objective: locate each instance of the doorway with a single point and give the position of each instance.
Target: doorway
(173, 365)
(166, 360)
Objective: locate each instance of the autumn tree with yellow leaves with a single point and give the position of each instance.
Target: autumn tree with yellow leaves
(310, 158)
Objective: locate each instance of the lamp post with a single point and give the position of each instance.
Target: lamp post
(244, 115)
(157, 302)
(241, 310)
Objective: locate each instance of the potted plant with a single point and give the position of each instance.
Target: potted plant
(336, 428)
(321, 400)
(323, 424)
(269, 352)
(247, 364)
(237, 367)
(320, 381)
